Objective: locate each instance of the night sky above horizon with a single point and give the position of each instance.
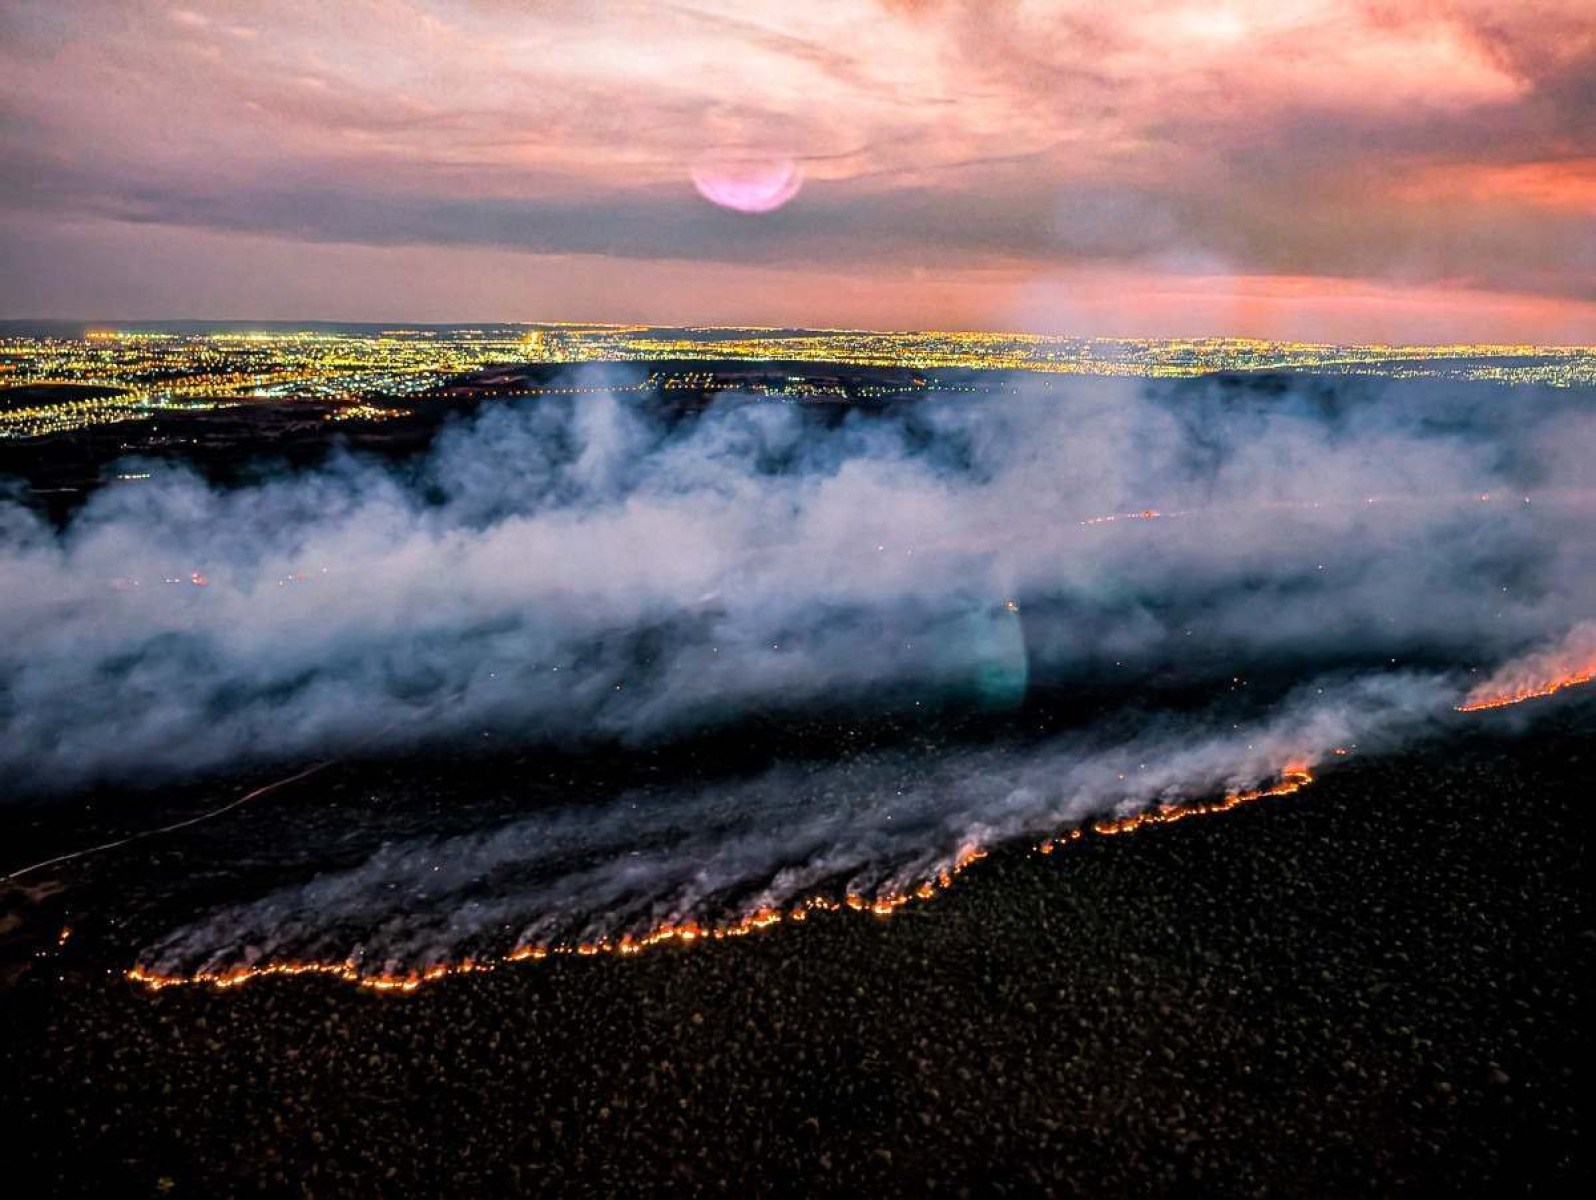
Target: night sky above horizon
(1310, 169)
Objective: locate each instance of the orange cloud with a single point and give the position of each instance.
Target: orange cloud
(1568, 184)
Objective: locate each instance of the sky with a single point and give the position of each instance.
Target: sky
(1339, 170)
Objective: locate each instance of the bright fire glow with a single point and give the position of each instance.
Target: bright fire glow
(1568, 664)
(883, 904)
(1294, 778)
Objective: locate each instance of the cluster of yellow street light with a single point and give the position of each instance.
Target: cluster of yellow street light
(144, 372)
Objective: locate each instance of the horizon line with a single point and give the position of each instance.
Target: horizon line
(132, 326)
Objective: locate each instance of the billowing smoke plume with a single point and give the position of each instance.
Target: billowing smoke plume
(1569, 663)
(589, 567)
(598, 569)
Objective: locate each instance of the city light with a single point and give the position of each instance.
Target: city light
(111, 376)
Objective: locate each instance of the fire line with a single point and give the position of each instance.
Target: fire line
(1293, 778)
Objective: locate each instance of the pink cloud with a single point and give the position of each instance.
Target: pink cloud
(1432, 145)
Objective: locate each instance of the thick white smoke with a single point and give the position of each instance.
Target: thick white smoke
(599, 569)
(590, 568)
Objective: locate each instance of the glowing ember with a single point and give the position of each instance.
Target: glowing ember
(883, 904)
(1569, 664)
(1293, 779)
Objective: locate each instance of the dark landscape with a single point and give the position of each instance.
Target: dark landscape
(1380, 984)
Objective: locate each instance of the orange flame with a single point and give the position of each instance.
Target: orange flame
(1570, 663)
(1293, 779)
(884, 904)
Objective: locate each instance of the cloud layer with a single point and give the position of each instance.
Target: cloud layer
(1426, 146)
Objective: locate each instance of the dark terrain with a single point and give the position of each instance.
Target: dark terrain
(1381, 985)
(1378, 986)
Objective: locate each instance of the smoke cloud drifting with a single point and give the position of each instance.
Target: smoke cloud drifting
(587, 566)
(600, 570)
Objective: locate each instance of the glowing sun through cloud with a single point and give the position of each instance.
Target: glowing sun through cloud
(750, 186)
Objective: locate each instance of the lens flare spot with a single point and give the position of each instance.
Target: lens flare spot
(749, 186)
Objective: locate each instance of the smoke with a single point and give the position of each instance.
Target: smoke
(588, 567)
(868, 825)
(1570, 662)
(601, 570)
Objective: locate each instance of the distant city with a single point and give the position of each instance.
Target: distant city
(57, 379)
